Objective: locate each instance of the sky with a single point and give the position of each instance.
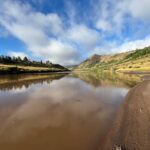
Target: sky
(69, 31)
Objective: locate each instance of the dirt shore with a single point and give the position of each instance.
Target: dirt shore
(131, 129)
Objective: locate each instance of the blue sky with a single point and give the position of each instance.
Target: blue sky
(68, 31)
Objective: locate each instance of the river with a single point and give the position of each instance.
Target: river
(59, 111)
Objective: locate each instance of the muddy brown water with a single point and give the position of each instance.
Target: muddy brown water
(56, 112)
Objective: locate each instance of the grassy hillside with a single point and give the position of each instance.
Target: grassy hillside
(133, 61)
(18, 65)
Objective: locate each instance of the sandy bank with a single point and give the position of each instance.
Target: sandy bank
(131, 129)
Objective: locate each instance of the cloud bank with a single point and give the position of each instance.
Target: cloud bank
(110, 27)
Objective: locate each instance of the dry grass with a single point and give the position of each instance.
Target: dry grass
(142, 64)
(23, 69)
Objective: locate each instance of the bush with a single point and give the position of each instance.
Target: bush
(138, 53)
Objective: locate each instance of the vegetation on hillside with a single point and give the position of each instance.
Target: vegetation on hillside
(17, 65)
(138, 53)
(133, 61)
(26, 62)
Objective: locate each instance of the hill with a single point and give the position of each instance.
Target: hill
(130, 62)
(17, 65)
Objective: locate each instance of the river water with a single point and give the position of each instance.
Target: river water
(58, 111)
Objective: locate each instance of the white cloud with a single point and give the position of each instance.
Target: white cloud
(112, 48)
(140, 9)
(64, 53)
(36, 30)
(45, 34)
(133, 45)
(103, 24)
(17, 54)
(63, 41)
(84, 35)
(112, 15)
(29, 26)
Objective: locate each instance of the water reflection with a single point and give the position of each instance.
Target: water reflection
(64, 114)
(16, 82)
(109, 79)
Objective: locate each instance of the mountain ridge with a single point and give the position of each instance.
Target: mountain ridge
(136, 60)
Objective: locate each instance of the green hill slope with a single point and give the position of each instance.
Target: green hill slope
(133, 61)
(18, 65)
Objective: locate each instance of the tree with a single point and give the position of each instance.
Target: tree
(25, 59)
(19, 58)
(48, 62)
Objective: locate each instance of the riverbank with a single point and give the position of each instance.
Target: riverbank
(134, 72)
(130, 130)
(19, 69)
